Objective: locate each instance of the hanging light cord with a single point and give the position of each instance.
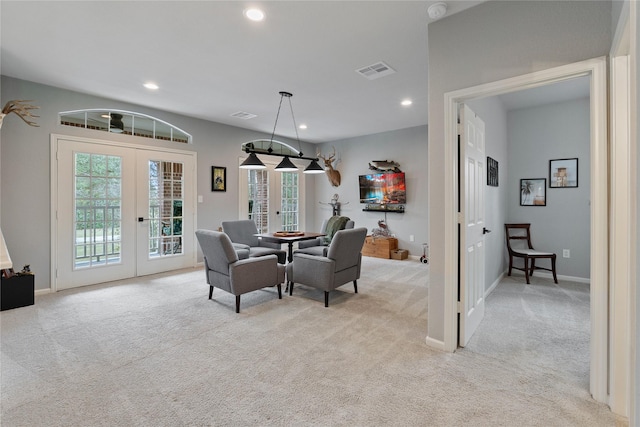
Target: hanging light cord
(295, 126)
(282, 95)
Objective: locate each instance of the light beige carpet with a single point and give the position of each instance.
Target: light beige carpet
(155, 351)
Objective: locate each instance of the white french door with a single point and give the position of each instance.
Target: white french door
(472, 225)
(165, 229)
(272, 199)
(100, 191)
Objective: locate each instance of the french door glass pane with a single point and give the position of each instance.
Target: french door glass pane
(259, 198)
(166, 189)
(97, 204)
(289, 212)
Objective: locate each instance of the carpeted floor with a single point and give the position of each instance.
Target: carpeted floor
(155, 351)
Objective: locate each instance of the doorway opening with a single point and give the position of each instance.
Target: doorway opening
(596, 70)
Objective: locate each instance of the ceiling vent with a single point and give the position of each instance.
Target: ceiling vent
(243, 115)
(375, 71)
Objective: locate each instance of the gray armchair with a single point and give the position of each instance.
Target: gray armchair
(243, 235)
(341, 265)
(319, 245)
(237, 276)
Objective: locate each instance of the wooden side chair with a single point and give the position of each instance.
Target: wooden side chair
(522, 232)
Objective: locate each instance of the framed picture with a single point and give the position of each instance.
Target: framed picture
(218, 178)
(533, 192)
(563, 173)
(492, 172)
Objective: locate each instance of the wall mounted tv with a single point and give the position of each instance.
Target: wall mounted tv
(383, 188)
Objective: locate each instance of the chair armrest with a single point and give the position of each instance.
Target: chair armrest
(237, 246)
(253, 273)
(318, 241)
(313, 270)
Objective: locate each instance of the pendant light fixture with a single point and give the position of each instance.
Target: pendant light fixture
(286, 165)
(314, 167)
(252, 162)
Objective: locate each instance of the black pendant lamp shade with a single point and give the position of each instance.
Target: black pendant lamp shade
(314, 167)
(252, 162)
(286, 165)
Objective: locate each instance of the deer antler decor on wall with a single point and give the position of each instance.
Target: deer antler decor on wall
(332, 174)
(22, 109)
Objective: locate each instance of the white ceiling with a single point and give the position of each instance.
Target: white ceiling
(211, 62)
(549, 94)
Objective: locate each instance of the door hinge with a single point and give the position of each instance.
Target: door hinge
(460, 218)
(460, 128)
(459, 307)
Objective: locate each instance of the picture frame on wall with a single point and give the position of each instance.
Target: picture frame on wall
(492, 172)
(563, 173)
(533, 192)
(218, 178)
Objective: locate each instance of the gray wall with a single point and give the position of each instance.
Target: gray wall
(25, 171)
(486, 43)
(537, 135)
(492, 112)
(25, 167)
(408, 147)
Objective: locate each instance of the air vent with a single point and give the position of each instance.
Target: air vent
(377, 70)
(243, 115)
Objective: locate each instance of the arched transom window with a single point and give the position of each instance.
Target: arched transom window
(126, 122)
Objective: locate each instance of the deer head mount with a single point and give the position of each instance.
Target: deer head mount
(22, 109)
(332, 174)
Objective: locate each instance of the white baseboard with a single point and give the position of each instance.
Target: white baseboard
(435, 344)
(494, 284)
(42, 291)
(585, 280)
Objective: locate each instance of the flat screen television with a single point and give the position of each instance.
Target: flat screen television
(383, 188)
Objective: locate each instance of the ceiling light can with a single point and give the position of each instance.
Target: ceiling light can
(254, 14)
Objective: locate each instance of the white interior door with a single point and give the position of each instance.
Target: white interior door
(101, 191)
(165, 211)
(472, 224)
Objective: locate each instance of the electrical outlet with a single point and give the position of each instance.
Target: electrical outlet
(566, 253)
(412, 238)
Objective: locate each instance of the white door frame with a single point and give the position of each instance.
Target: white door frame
(597, 70)
(622, 369)
(54, 188)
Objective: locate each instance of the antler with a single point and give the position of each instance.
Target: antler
(23, 109)
(327, 160)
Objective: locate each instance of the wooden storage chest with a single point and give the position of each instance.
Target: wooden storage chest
(379, 247)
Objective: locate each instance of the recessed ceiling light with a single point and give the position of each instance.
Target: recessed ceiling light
(152, 86)
(303, 126)
(406, 102)
(254, 14)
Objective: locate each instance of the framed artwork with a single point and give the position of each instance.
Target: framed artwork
(492, 172)
(563, 173)
(533, 192)
(218, 178)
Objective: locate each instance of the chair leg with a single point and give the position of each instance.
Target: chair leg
(326, 298)
(526, 269)
(553, 268)
(510, 265)
(290, 288)
(533, 266)
(279, 291)
(237, 303)
(210, 291)
(355, 286)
